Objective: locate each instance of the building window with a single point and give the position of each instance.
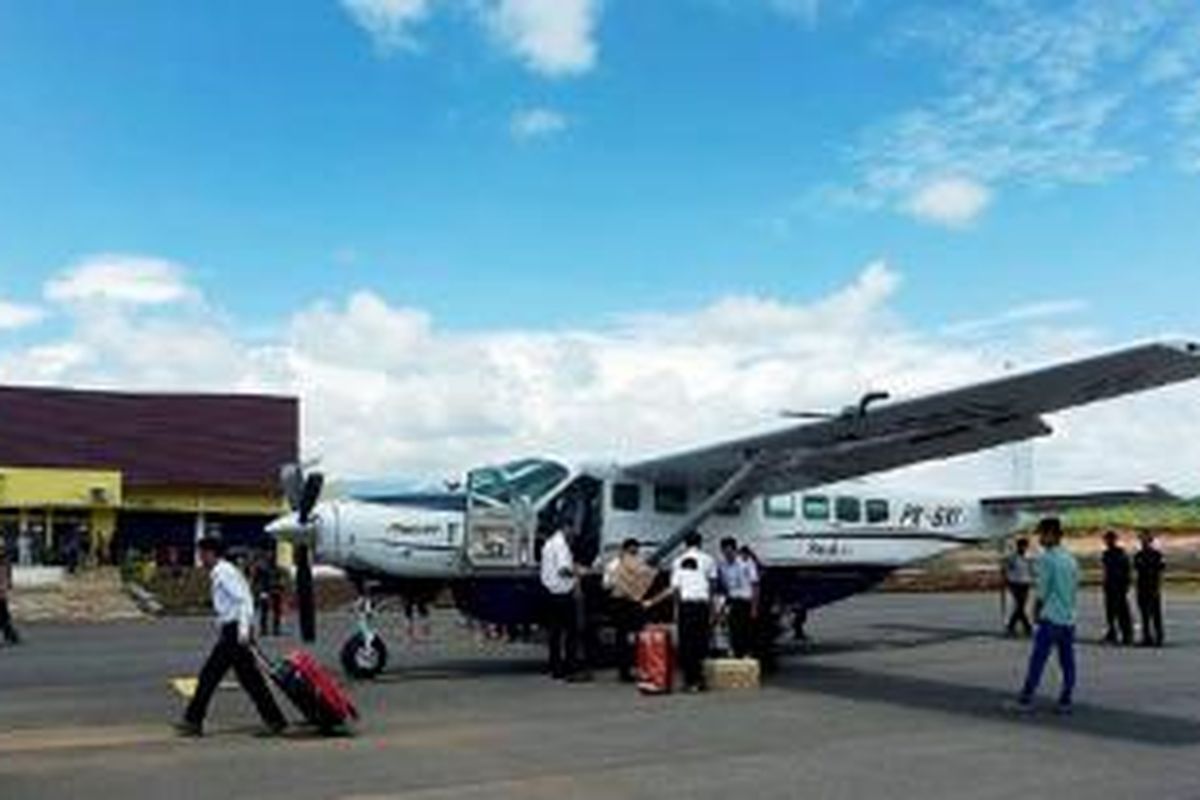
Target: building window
(626, 496)
(816, 507)
(849, 509)
(670, 498)
(779, 506)
(878, 512)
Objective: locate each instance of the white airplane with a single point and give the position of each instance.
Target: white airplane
(785, 494)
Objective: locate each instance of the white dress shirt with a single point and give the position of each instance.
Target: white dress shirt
(232, 600)
(694, 585)
(558, 565)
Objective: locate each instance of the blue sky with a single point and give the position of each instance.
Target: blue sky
(1025, 168)
(265, 145)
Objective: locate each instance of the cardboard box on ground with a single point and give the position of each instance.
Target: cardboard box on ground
(731, 673)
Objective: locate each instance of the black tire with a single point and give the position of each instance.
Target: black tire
(362, 660)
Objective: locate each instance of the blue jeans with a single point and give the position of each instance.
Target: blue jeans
(1051, 636)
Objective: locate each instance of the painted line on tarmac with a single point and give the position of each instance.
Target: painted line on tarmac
(44, 740)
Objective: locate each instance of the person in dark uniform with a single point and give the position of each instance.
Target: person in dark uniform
(6, 624)
(1148, 564)
(233, 606)
(1117, 577)
(268, 589)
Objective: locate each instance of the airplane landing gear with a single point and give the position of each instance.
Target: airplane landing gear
(364, 655)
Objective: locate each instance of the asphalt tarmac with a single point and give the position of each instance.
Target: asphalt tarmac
(899, 696)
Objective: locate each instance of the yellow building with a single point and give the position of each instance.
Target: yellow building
(88, 475)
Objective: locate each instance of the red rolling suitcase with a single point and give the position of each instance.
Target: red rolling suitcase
(312, 689)
(655, 660)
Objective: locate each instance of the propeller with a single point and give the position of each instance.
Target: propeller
(302, 493)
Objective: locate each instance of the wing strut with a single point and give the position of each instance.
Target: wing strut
(720, 497)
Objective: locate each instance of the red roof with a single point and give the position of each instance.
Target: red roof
(225, 441)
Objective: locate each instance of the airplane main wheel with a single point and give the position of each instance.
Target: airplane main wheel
(364, 659)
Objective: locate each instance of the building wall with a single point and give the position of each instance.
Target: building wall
(42, 508)
(72, 488)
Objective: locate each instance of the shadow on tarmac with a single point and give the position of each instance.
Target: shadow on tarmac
(987, 704)
(462, 668)
(938, 633)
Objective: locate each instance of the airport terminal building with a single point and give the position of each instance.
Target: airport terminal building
(87, 476)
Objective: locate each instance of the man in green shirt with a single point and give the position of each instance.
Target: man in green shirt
(1057, 583)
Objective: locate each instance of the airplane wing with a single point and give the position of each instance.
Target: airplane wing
(948, 423)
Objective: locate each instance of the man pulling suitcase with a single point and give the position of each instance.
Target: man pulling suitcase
(233, 605)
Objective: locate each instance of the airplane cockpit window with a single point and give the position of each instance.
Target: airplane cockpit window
(626, 496)
(670, 498)
(779, 506)
(816, 507)
(529, 479)
(849, 509)
(878, 511)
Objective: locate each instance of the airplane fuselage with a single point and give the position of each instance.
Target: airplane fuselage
(815, 546)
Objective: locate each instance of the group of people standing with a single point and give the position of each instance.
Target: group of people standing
(1147, 565)
(1054, 577)
(1143, 571)
(700, 587)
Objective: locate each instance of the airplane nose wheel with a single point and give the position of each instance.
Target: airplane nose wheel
(364, 656)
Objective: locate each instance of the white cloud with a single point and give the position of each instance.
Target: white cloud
(555, 38)
(1036, 95)
(19, 315)
(387, 392)
(950, 202)
(537, 123)
(389, 22)
(123, 279)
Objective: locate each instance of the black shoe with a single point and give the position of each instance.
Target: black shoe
(189, 730)
(583, 676)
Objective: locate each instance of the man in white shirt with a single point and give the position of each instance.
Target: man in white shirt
(559, 580)
(693, 575)
(739, 583)
(233, 606)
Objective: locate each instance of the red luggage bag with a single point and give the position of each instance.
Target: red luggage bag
(655, 660)
(312, 689)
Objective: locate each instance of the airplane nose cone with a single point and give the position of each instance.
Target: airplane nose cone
(286, 527)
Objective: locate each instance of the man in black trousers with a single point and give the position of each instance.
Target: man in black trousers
(1149, 566)
(6, 624)
(1117, 577)
(233, 605)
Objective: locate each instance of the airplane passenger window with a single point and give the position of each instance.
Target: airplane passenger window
(878, 511)
(779, 506)
(670, 498)
(626, 496)
(849, 509)
(816, 507)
